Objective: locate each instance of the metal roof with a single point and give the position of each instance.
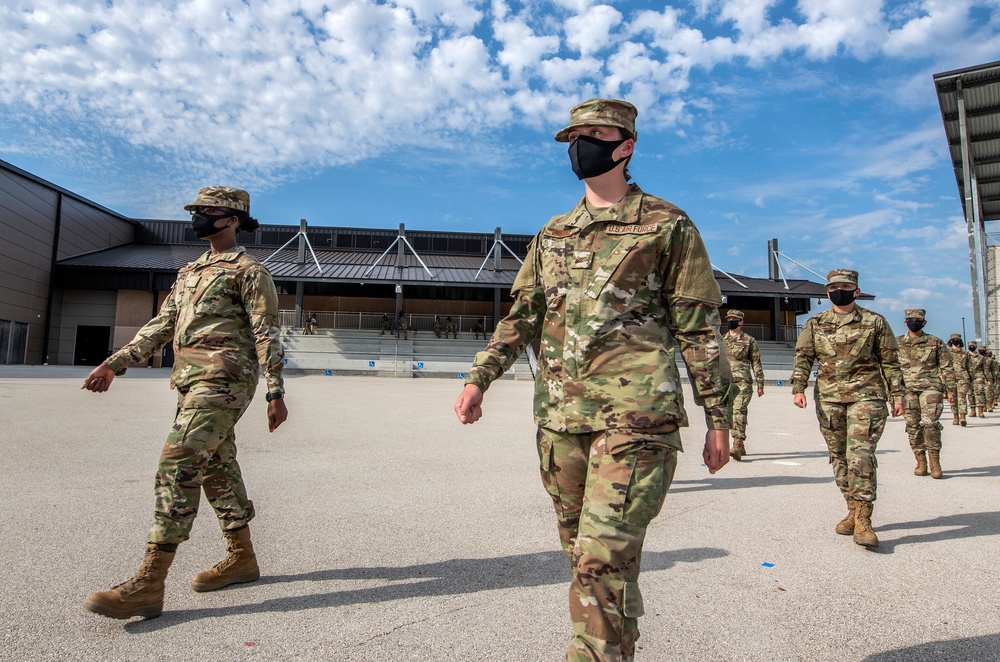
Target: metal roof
(980, 87)
(350, 266)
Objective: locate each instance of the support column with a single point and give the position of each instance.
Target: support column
(300, 286)
(973, 221)
(496, 305)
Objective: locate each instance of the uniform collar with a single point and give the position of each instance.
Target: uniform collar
(224, 256)
(841, 320)
(625, 212)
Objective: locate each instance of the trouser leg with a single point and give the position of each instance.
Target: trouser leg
(911, 416)
(628, 476)
(865, 424)
(563, 463)
(740, 406)
(192, 453)
(833, 426)
(931, 408)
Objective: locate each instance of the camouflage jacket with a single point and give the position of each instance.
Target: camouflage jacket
(977, 365)
(990, 369)
(222, 314)
(926, 363)
(960, 363)
(744, 356)
(857, 356)
(609, 295)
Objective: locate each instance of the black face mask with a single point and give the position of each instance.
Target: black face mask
(915, 325)
(972, 348)
(733, 325)
(591, 157)
(204, 225)
(842, 297)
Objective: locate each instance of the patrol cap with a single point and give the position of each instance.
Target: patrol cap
(956, 336)
(842, 276)
(221, 196)
(738, 314)
(915, 313)
(601, 112)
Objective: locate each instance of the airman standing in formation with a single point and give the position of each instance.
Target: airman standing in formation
(960, 394)
(608, 287)
(855, 348)
(928, 377)
(990, 371)
(222, 315)
(977, 401)
(744, 359)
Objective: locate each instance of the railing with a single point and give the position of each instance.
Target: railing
(763, 332)
(373, 321)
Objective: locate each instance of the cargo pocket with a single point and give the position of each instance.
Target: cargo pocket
(610, 482)
(632, 600)
(215, 396)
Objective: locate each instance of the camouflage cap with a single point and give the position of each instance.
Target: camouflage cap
(915, 313)
(956, 336)
(738, 314)
(842, 276)
(221, 196)
(601, 112)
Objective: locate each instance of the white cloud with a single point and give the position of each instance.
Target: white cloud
(590, 32)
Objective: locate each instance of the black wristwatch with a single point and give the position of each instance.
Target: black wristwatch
(274, 396)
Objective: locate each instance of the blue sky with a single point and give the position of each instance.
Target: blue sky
(813, 121)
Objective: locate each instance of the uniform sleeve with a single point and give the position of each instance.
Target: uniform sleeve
(946, 367)
(515, 331)
(150, 339)
(692, 299)
(887, 352)
(758, 367)
(260, 299)
(805, 356)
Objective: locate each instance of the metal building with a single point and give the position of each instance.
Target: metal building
(970, 107)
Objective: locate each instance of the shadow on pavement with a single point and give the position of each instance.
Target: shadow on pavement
(454, 577)
(985, 647)
(962, 525)
(722, 483)
(974, 472)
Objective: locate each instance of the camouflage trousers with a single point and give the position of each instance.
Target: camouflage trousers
(740, 406)
(961, 398)
(606, 486)
(922, 413)
(200, 454)
(978, 393)
(852, 431)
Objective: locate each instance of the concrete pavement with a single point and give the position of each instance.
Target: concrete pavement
(387, 531)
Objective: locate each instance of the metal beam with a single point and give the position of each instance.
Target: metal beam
(973, 222)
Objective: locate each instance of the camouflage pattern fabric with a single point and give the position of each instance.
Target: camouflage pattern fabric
(853, 351)
(608, 295)
(960, 363)
(200, 453)
(222, 314)
(978, 376)
(922, 413)
(386, 325)
(436, 327)
(479, 328)
(606, 488)
(927, 375)
(403, 327)
(744, 361)
(452, 328)
(852, 431)
(601, 112)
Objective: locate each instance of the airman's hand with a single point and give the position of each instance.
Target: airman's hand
(99, 379)
(469, 408)
(760, 391)
(799, 400)
(897, 409)
(716, 452)
(951, 398)
(277, 414)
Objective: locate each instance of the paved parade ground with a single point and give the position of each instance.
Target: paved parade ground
(387, 531)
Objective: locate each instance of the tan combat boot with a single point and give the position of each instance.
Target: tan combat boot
(140, 596)
(955, 421)
(979, 412)
(738, 450)
(863, 534)
(961, 420)
(845, 527)
(239, 566)
(921, 469)
(935, 461)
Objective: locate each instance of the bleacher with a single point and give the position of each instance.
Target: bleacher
(368, 352)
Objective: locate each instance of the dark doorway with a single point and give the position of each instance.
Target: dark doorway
(92, 344)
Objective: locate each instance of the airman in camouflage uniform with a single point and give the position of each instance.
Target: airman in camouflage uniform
(855, 348)
(222, 315)
(436, 326)
(744, 358)
(608, 287)
(928, 378)
(386, 324)
(977, 401)
(990, 370)
(479, 328)
(450, 327)
(960, 394)
(403, 326)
